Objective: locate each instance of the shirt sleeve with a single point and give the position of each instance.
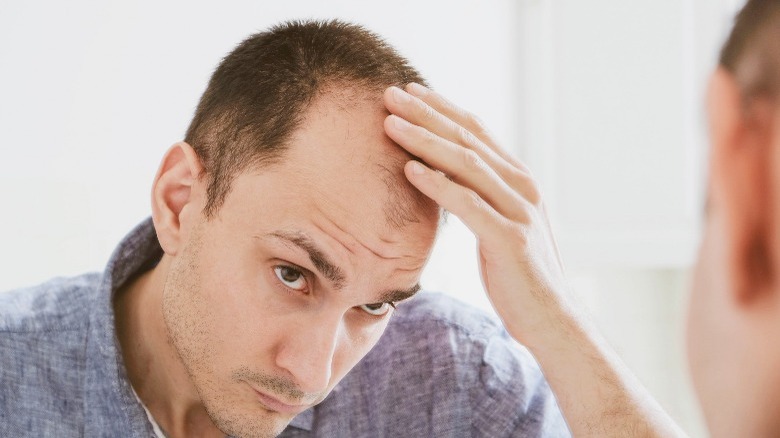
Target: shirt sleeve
(510, 397)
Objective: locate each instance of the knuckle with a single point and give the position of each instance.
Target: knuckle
(476, 124)
(472, 199)
(446, 105)
(517, 232)
(427, 136)
(519, 165)
(427, 113)
(533, 192)
(439, 181)
(471, 161)
(517, 178)
(466, 137)
(526, 186)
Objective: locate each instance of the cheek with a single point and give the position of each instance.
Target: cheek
(704, 341)
(694, 322)
(227, 308)
(695, 327)
(241, 311)
(701, 287)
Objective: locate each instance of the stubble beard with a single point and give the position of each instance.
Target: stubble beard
(188, 320)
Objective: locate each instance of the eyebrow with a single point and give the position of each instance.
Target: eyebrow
(395, 296)
(327, 268)
(330, 271)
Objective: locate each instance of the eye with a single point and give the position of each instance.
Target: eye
(377, 309)
(291, 277)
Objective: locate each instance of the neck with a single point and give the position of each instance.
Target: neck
(153, 366)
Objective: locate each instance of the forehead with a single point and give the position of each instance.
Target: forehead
(341, 136)
(342, 147)
(342, 172)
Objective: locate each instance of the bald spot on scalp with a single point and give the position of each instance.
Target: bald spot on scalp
(404, 204)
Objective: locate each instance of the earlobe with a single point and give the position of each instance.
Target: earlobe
(739, 187)
(172, 194)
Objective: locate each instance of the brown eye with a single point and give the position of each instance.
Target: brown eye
(290, 277)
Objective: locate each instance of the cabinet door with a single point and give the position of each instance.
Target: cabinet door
(613, 123)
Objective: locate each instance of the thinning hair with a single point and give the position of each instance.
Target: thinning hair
(752, 51)
(259, 93)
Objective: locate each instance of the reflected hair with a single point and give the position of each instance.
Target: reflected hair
(752, 51)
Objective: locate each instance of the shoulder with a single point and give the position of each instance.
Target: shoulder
(439, 325)
(469, 342)
(56, 305)
(437, 310)
(43, 332)
(447, 367)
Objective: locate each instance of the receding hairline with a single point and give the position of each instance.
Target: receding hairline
(403, 204)
(257, 93)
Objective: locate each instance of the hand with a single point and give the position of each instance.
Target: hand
(496, 198)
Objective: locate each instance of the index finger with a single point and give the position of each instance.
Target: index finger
(462, 118)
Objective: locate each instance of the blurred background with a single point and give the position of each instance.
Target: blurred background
(603, 99)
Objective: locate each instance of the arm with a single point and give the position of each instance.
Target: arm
(495, 195)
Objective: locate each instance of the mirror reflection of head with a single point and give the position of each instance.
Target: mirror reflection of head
(734, 320)
(288, 227)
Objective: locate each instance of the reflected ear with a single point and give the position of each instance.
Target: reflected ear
(172, 194)
(740, 186)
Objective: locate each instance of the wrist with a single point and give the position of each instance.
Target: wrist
(552, 329)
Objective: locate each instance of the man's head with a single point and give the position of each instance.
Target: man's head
(734, 320)
(258, 95)
(287, 223)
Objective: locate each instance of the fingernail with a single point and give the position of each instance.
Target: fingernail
(417, 168)
(400, 95)
(400, 124)
(417, 89)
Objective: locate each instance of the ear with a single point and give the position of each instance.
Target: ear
(741, 136)
(172, 193)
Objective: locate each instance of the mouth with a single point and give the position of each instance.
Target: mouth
(275, 405)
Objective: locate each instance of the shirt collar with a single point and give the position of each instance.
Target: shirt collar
(109, 401)
(110, 407)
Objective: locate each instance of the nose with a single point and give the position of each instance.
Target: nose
(308, 351)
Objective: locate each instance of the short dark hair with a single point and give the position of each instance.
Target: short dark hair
(752, 51)
(257, 95)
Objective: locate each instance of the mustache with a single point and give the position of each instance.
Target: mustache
(275, 384)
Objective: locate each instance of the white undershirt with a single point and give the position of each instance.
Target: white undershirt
(158, 433)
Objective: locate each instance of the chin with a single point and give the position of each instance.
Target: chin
(256, 422)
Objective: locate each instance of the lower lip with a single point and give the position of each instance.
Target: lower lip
(275, 405)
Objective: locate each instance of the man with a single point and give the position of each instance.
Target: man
(246, 363)
(734, 317)
(283, 235)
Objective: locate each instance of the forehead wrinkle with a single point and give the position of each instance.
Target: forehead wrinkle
(340, 242)
(418, 262)
(394, 295)
(372, 251)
